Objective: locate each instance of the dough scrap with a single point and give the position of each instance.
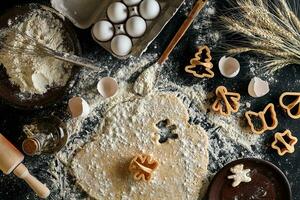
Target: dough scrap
(101, 167)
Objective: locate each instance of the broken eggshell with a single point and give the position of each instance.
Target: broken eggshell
(258, 88)
(107, 87)
(78, 107)
(229, 67)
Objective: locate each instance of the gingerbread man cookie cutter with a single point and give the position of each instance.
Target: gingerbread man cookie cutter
(284, 142)
(226, 102)
(294, 105)
(142, 167)
(262, 116)
(202, 58)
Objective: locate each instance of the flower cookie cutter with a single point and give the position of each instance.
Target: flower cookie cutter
(203, 59)
(294, 105)
(262, 116)
(226, 102)
(284, 142)
(142, 166)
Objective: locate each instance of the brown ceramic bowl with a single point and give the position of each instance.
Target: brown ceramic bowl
(268, 183)
(10, 93)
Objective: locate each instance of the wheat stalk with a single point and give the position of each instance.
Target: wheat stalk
(270, 28)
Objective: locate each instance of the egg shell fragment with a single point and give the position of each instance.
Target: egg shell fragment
(103, 30)
(149, 9)
(121, 45)
(136, 26)
(229, 67)
(78, 107)
(258, 88)
(107, 87)
(117, 12)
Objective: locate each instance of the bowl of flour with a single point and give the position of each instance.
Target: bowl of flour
(33, 81)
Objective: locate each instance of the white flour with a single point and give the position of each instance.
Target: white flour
(35, 74)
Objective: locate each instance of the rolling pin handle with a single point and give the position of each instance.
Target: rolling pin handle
(40, 189)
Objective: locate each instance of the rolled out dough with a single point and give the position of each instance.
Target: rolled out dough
(101, 167)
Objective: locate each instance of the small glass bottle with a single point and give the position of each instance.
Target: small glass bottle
(46, 135)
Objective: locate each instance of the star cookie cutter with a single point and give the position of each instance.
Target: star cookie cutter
(294, 105)
(262, 117)
(226, 102)
(202, 58)
(284, 142)
(142, 167)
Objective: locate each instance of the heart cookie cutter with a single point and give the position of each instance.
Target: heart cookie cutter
(226, 102)
(262, 116)
(202, 58)
(289, 146)
(288, 108)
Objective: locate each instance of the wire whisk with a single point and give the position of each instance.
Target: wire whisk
(30, 46)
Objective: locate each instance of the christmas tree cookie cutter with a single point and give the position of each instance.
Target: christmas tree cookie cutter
(226, 102)
(262, 117)
(292, 106)
(202, 59)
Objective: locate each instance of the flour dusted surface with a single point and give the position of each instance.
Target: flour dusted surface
(31, 73)
(101, 167)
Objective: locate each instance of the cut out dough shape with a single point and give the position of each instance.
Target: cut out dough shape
(239, 175)
(101, 167)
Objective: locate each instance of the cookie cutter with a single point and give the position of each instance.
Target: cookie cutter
(226, 102)
(262, 116)
(289, 146)
(142, 166)
(295, 104)
(202, 58)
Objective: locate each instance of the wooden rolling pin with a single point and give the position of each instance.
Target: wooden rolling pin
(11, 161)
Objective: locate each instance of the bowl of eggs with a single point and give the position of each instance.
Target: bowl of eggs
(123, 28)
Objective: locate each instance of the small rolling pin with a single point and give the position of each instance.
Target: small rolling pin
(11, 161)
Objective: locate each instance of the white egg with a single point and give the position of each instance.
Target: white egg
(78, 107)
(107, 87)
(136, 26)
(121, 45)
(103, 31)
(131, 2)
(149, 9)
(117, 12)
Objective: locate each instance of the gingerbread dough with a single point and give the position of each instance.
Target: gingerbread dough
(130, 128)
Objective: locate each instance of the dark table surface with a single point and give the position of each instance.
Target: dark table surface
(11, 119)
